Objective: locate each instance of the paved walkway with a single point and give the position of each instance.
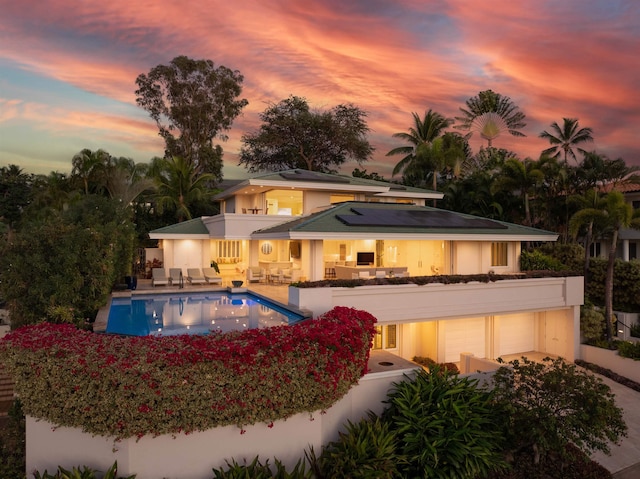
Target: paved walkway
(624, 461)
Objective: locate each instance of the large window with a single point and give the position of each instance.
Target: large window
(499, 254)
(229, 251)
(386, 337)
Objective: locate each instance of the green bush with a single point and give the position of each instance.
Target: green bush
(592, 323)
(132, 386)
(548, 405)
(446, 426)
(12, 444)
(629, 349)
(258, 470)
(571, 255)
(626, 284)
(536, 260)
(83, 472)
(367, 450)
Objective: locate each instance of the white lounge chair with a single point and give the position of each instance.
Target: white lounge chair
(174, 276)
(211, 276)
(159, 277)
(194, 276)
(290, 275)
(255, 273)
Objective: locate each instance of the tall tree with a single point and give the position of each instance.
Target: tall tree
(15, 194)
(615, 215)
(565, 138)
(294, 136)
(178, 186)
(192, 102)
(522, 177)
(489, 114)
(420, 138)
(87, 167)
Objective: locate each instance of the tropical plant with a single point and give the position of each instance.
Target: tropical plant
(88, 167)
(15, 194)
(419, 138)
(592, 326)
(522, 177)
(82, 472)
(126, 386)
(565, 137)
(446, 426)
(489, 114)
(294, 136)
(12, 443)
(367, 449)
(256, 469)
(192, 102)
(178, 186)
(554, 401)
(614, 215)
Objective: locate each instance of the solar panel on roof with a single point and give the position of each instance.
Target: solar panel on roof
(415, 218)
(304, 175)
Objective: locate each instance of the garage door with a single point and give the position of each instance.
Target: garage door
(464, 336)
(516, 333)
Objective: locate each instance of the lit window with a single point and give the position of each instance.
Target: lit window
(386, 337)
(499, 255)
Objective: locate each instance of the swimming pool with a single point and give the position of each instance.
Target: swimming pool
(194, 313)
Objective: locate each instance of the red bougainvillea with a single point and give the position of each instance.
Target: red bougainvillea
(133, 386)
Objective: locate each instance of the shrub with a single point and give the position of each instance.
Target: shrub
(12, 443)
(257, 470)
(552, 401)
(629, 349)
(132, 386)
(83, 472)
(430, 363)
(446, 426)
(368, 449)
(592, 323)
(536, 260)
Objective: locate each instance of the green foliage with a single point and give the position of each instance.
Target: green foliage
(133, 386)
(368, 449)
(629, 349)
(15, 194)
(63, 269)
(552, 403)
(569, 254)
(83, 472)
(192, 102)
(592, 327)
(446, 426)
(257, 470)
(626, 284)
(536, 260)
(12, 444)
(293, 136)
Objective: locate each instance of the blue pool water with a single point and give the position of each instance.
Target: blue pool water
(194, 313)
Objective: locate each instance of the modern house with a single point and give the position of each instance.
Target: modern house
(299, 225)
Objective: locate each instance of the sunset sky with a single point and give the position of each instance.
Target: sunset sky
(68, 68)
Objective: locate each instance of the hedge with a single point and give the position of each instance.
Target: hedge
(135, 386)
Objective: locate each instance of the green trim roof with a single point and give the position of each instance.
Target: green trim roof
(189, 227)
(332, 221)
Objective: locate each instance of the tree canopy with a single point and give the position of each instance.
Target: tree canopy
(192, 102)
(489, 113)
(294, 136)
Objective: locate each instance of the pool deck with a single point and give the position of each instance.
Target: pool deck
(276, 293)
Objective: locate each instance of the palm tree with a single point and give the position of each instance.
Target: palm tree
(565, 138)
(125, 180)
(615, 215)
(489, 114)
(178, 185)
(87, 166)
(522, 177)
(420, 138)
(591, 206)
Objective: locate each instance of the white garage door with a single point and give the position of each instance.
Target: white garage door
(464, 336)
(516, 333)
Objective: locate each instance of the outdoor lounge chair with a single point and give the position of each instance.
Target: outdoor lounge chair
(174, 276)
(194, 276)
(211, 276)
(255, 273)
(159, 277)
